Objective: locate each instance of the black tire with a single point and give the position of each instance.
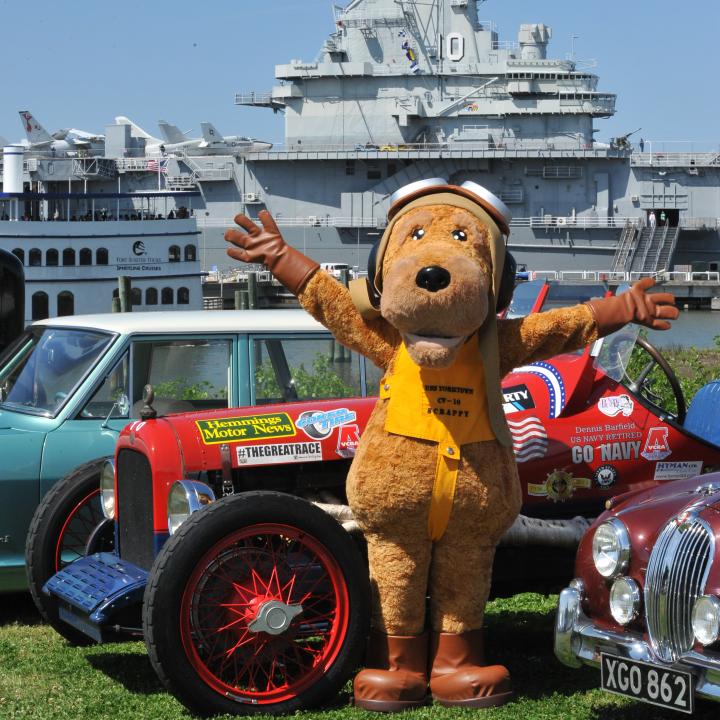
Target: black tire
(64, 522)
(210, 581)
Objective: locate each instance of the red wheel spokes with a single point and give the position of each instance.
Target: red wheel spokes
(77, 528)
(229, 586)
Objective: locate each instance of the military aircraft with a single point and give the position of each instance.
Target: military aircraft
(214, 140)
(175, 140)
(68, 141)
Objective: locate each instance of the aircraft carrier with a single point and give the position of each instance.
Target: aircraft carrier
(402, 90)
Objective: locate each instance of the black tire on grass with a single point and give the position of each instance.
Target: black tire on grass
(212, 577)
(66, 519)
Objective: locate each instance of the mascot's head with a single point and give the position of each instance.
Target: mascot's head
(440, 271)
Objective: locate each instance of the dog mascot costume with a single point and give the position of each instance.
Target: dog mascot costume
(434, 483)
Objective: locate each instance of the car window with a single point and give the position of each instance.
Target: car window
(111, 399)
(47, 369)
(186, 375)
(373, 376)
(290, 369)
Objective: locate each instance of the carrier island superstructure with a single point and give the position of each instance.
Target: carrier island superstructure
(403, 90)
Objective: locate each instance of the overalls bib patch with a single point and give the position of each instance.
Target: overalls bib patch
(447, 406)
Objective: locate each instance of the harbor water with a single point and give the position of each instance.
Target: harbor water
(697, 328)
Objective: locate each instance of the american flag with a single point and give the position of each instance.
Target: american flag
(155, 166)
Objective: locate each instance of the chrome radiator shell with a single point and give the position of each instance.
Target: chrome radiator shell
(676, 575)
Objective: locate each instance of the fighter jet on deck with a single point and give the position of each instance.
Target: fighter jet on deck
(212, 141)
(175, 140)
(69, 141)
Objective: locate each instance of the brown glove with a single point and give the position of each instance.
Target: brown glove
(266, 245)
(652, 311)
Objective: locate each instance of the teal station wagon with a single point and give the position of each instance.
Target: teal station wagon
(69, 385)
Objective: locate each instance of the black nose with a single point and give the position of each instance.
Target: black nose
(433, 278)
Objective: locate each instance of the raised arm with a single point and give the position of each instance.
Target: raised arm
(330, 303)
(542, 335)
(322, 296)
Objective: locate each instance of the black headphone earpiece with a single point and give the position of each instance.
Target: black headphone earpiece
(507, 283)
(373, 293)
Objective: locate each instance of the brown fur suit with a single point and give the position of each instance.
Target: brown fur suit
(392, 478)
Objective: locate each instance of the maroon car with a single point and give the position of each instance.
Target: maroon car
(644, 606)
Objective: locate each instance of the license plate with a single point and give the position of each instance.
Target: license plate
(652, 684)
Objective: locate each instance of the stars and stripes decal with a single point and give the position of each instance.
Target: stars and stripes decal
(553, 381)
(530, 440)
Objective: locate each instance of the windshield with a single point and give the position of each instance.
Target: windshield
(612, 353)
(524, 297)
(47, 367)
(567, 294)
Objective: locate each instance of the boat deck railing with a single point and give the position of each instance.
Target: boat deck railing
(453, 148)
(548, 222)
(675, 159)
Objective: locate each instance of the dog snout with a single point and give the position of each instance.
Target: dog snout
(433, 278)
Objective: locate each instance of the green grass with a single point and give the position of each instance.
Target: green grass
(42, 677)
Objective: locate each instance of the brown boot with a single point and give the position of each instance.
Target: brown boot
(459, 675)
(397, 678)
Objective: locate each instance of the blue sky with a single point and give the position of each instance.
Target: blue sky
(79, 64)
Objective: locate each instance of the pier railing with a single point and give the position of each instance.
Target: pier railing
(264, 276)
(619, 276)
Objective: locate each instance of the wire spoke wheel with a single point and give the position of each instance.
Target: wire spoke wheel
(259, 603)
(67, 525)
(78, 529)
(287, 574)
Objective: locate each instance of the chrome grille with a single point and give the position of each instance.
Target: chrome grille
(675, 578)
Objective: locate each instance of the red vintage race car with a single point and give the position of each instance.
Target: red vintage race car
(233, 556)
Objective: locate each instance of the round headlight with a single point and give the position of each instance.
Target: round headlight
(706, 619)
(624, 600)
(107, 489)
(185, 498)
(611, 548)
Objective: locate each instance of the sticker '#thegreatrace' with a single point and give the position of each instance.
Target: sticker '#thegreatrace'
(559, 486)
(245, 429)
(278, 453)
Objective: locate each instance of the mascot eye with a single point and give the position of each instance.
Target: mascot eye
(418, 234)
(459, 235)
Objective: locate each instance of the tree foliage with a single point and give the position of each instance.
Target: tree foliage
(323, 381)
(693, 366)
